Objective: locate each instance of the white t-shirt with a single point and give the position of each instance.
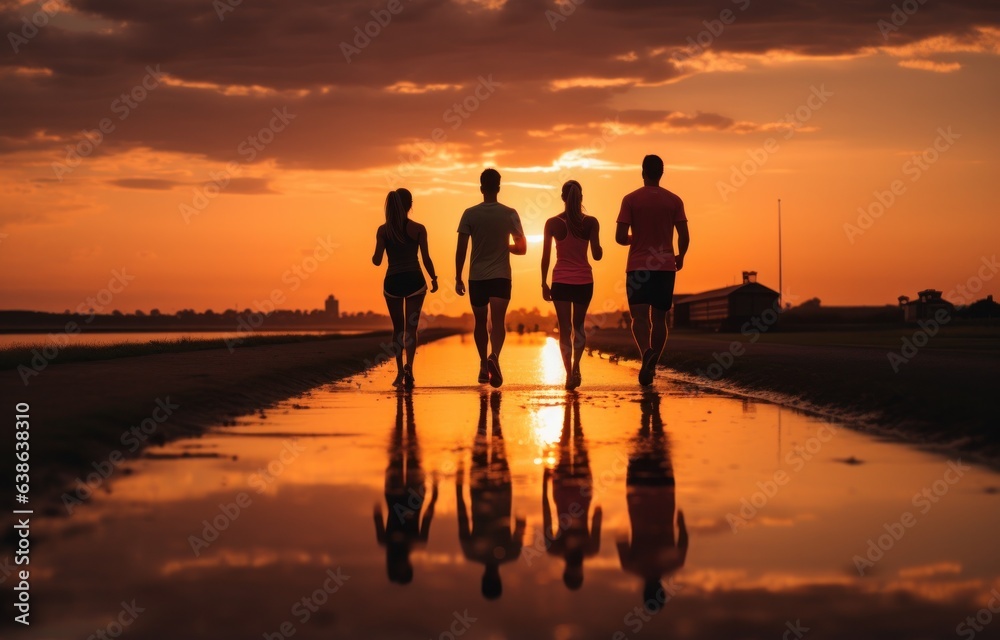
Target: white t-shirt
(490, 225)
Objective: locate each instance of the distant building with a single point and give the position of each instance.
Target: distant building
(332, 307)
(725, 308)
(927, 304)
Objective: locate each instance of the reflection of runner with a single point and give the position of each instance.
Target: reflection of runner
(572, 491)
(653, 552)
(404, 495)
(489, 540)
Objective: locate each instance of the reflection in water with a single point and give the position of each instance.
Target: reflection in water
(572, 491)
(653, 551)
(489, 540)
(404, 496)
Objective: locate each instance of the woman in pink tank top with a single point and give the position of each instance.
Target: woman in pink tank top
(572, 278)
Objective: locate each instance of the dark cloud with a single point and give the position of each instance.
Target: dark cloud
(254, 186)
(269, 54)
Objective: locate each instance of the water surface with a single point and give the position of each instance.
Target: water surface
(341, 533)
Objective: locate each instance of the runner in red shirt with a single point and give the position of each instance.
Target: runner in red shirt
(646, 226)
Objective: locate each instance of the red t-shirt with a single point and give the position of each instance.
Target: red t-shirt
(652, 213)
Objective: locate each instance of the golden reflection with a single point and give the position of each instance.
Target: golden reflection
(572, 491)
(552, 369)
(653, 551)
(488, 539)
(405, 489)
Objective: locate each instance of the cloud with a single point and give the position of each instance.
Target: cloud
(421, 72)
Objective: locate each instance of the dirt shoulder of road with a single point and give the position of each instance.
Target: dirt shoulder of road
(944, 395)
(85, 414)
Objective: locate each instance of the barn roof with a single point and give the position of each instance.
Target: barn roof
(724, 292)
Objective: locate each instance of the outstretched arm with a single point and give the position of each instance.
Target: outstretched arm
(595, 241)
(379, 526)
(546, 259)
(425, 255)
(520, 246)
(595, 530)
(463, 518)
(460, 252)
(379, 247)
(683, 242)
(425, 524)
(622, 235)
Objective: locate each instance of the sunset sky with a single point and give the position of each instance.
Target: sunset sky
(298, 126)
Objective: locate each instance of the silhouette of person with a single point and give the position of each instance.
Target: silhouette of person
(572, 277)
(646, 226)
(404, 286)
(572, 491)
(405, 490)
(489, 540)
(653, 551)
(490, 225)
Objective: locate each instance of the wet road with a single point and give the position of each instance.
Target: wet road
(459, 511)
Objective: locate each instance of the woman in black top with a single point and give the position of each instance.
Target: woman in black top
(404, 287)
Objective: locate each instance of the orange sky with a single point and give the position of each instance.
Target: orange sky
(841, 109)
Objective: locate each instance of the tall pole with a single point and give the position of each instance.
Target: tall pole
(781, 288)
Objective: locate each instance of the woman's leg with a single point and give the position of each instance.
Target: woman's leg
(564, 313)
(395, 306)
(413, 306)
(579, 332)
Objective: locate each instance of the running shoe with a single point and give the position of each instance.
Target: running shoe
(493, 364)
(648, 369)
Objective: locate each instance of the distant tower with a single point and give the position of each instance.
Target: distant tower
(332, 307)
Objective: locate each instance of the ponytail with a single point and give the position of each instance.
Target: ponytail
(572, 195)
(397, 205)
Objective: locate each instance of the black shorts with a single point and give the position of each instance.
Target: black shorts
(404, 285)
(577, 293)
(655, 288)
(480, 291)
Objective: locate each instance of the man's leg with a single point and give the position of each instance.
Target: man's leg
(658, 334)
(498, 320)
(481, 333)
(640, 326)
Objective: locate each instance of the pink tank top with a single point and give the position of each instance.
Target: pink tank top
(572, 265)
